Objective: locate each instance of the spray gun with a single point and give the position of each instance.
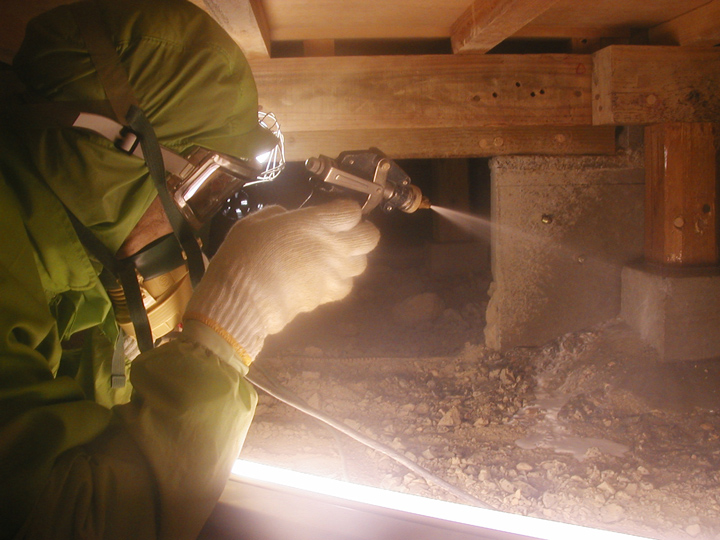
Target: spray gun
(369, 173)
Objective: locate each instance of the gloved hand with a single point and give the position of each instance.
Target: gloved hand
(275, 264)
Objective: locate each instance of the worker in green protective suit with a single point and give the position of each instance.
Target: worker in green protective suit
(79, 457)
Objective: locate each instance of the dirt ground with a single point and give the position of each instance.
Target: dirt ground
(589, 429)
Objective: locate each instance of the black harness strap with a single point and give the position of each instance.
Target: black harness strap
(123, 273)
(117, 87)
(111, 73)
(139, 123)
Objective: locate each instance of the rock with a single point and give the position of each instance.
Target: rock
(484, 475)
(506, 485)
(390, 482)
(451, 418)
(693, 530)
(527, 490)
(612, 513)
(314, 401)
(524, 467)
(631, 489)
(424, 307)
(422, 408)
(452, 317)
(549, 500)
(397, 444)
(506, 377)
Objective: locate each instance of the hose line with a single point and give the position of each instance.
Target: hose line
(283, 394)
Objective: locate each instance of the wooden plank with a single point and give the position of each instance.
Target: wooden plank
(628, 14)
(698, 27)
(245, 21)
(485, 24)
(369, 19)
(425, 91)
(681, 194)
(653, 84)
(454, 143)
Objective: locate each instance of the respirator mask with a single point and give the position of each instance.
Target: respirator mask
(203, 185)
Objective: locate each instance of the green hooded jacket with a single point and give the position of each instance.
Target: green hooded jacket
(77, 459)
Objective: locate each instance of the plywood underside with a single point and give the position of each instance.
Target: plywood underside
(301, 20)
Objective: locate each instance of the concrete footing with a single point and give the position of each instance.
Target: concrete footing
(677, 311)
(562, 230)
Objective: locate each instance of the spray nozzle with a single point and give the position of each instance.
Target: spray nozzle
(369, 173)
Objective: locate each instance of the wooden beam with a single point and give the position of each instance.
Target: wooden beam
(453, 142)
(245, 21)
(434, 91)
(648, 84)
(681, 194)
(698, 27)
(485, 24)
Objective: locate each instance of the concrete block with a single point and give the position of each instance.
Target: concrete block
(676, 311)
(562, 230)
(454, 258)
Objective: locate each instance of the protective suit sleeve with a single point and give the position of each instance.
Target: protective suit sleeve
(160, 466)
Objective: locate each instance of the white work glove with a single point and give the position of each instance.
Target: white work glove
(275, 264)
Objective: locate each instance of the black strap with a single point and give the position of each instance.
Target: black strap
(139, 123)
(111, 73)
(124, 274)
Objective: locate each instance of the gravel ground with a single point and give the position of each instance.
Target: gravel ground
(589, 429)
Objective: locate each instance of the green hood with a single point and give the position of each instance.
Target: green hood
(195, 87)
(191, 80)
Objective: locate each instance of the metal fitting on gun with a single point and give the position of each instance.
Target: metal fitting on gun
(370, 173)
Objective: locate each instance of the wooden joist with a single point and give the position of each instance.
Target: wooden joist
(455, 143)
(245, 21)
(437, 91)
(485, 24)
(653, 84)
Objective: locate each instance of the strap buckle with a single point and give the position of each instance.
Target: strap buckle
(127, 140)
